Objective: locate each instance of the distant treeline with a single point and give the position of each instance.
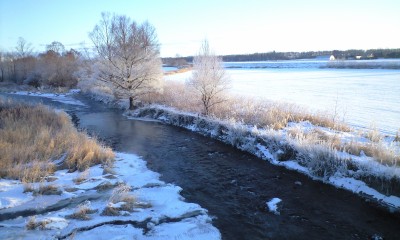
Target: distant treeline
(347, 54)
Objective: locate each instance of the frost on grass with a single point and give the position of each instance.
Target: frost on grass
(273, 205)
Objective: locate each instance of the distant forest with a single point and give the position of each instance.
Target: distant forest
(348, 54)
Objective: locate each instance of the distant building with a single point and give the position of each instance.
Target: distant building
(332, 58)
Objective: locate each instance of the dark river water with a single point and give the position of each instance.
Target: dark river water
(235, 186)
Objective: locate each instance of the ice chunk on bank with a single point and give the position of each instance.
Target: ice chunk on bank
(273, 205)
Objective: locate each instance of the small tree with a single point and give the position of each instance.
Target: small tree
(24, 63)
(128, 56)
(209, 78)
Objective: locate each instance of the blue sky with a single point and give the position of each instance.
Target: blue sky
(233, 26)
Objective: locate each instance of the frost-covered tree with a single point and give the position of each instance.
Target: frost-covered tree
(209, 78)
(128, 56)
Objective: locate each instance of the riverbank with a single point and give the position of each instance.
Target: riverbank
(128, 201)
(366, 163)
(233, 185)
(49, 201)
(359, 174)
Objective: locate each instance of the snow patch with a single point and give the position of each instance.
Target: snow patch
(361, 187)
(12, 194)
(273, 205)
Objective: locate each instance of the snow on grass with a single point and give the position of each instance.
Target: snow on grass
(159, 211)
(273, 205)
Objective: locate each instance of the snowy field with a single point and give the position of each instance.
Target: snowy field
(362, 97)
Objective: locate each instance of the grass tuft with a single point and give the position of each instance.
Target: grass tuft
(82, 212)
(122, 200)
(33, 224)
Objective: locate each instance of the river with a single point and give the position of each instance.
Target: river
(364, 98)
(235, 186)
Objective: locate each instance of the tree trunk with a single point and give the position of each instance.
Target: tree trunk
(131, 105)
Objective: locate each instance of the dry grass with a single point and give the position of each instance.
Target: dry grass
(397, 137)
(50, 189)
(31, 137)
(120, 200)
(373, 134)
(177, 95)
(42, 189)
(110, 211)
(250, 111)
(277, 115)
(381, 152)
(83, 176)
(33, 224)
(104, 186)
(82, 212)
(120, 193)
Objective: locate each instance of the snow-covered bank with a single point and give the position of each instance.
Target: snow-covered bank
(125, 202)
(61, 97)
(321, 162)
(159, 212)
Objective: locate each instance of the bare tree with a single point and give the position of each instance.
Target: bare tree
(128, 56)
(24, 49)
(209, 78)
(56, 47)
(23, 63)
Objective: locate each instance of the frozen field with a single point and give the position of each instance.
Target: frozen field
(362, 97)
